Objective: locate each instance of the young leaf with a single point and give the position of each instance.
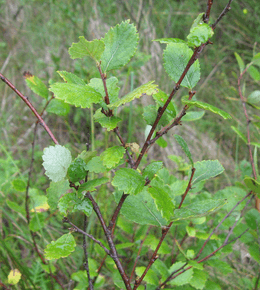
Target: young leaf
(197, 21)
(146, 89)
(60, 248)
(198, 209)
(182, 279)
(254, 97)
(240, 62)
(239, 133)
(254, 73)
(129, 181)
(170, 40)
(92, 184)
(252, 184)
(152, 169)
(109, 123)
(151, 277)
(199, 279)
(208, 107)
(57, 160)
(112, 88)
(199, 34)
(256, 59)
(162, 200)
(86, 156)
(19, 185)
(71, 202)
(160, 98)
(141, 209)
(77, 170)
(112, 156)
(120, 45)
(55, 191)
(58, 107)
(176, 57)
(184, 147)
(96, 165)
(71, 78)
(193, 116)
(37, 222)
(83, 48)
(77, 95)
(37, 86)
(206, 169)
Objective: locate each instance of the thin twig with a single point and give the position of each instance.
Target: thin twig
(86, 254)
(216, 228)
(222, 14)
(188, 187)
(25, 99)
(66, 220)
(113, 252)
(139, 251)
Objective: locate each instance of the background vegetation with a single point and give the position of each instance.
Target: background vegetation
(35, 36)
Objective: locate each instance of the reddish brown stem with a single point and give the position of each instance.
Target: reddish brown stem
(25, 99)
(188, 187)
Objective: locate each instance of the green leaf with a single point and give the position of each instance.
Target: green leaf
(176, 57)
(60, 248)
(146, 89)
(15, 206)
(193, 116)
(254, 251)
(141, 209)
(129, 181)
(58, 107)
(222, 266)
(182, 279)
(256, 59)
(149, 114)
(83, 48)
(208, 107)
(197, 21)
(71, 202)
(112, 156)
(161, 269)
(240, 62)
(252, 184)
(252, 219)
(254, 73)
(150, 277)
(254, 97)
(112, 88)
(57, 160)
(170, 40)
(77, 170)
(206, 169)
(92, 184)
(152, 169)
(19, 185)
(120, 45)
(71, 78)
(184, 147)
(77, 95)
(198, 209)
(212, 285)
(199, 279)
(55, 191)
(162, 200)
(96, 165)
(239, 133)
(37, 222)
(38, 203)
(109, 123)
(179, 187)
(37, 86)
(86, 156)
(199, 34)
(160, 98)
